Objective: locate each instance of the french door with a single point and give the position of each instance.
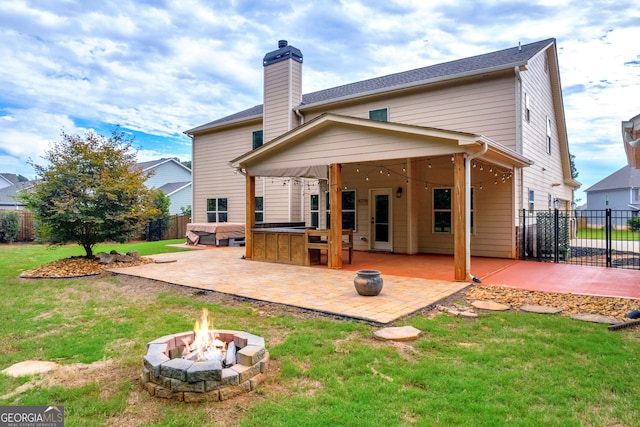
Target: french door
(381, 231)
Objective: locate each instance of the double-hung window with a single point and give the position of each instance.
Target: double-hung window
(259, 212)
(314, 210)
(442, 210)
(217, 210)
(348, 210)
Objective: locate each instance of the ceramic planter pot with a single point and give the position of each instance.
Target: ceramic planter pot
(368, 282)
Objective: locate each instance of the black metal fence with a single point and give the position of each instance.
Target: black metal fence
(602, 238)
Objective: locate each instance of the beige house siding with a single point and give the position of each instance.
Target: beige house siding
(484, 108)
(213, 178)
(547, 172)
(282, 91)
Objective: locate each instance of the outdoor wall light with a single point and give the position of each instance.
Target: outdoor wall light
(399, 192)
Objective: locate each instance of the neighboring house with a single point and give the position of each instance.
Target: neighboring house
(631, 141)
(620, 191)
(440, 159)
(10, 187)
(174, 179)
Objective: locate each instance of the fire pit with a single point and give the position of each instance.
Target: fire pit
(204, 364)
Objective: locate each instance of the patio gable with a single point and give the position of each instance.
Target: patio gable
(330, 138)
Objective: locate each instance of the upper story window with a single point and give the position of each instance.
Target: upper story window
(217, 210)
(527, 108)
(635, 195)
(257, 139)
(382, 115)
(548, 135)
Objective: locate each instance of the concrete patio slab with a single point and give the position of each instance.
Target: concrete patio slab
(222, 269)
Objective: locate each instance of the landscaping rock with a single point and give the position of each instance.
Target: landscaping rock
(30, 367)
(106, 258)
(490, 305)
(595, 318)
(542, 309)
(397, 333)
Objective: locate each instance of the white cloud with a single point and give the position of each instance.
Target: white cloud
(163, 67)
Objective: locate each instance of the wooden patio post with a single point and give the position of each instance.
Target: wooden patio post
(250, 215)
(459, 218)
(334, 258)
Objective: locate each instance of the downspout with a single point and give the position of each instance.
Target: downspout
(299, 114)
(519, 143)
(467, 207)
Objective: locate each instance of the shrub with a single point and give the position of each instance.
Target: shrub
(9, 226)
(634, 223)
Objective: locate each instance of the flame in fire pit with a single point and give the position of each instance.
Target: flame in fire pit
(205, 346)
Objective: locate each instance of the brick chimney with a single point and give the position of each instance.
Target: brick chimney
(282, 89)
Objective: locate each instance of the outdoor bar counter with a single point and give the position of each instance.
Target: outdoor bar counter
(300, 246)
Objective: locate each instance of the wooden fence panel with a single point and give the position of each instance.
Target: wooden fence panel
(178, 227)
(25, 227)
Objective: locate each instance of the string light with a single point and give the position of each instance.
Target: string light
(504, 175)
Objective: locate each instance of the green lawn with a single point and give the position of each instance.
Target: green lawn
(589, 233)
(507, 368)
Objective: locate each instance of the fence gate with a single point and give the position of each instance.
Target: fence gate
(601, 238)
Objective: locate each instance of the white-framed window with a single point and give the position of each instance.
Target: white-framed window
(217, 210)
(382, 114)
(532, 199)
(314, 210)
(259, 212)
(442, 210)
(527, 108)
(471, 213)
(348, 209)
(635, 195)
(548, 142)
(256, 139)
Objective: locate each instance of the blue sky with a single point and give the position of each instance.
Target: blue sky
(158, 68)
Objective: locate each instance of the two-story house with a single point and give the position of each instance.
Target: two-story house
(173, 178)
(440, 159)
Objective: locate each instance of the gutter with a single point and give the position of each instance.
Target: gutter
(467, 207)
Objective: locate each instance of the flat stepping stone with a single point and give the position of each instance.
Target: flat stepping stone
(397, 333)
(595, 318)
(490, 305)
(542, 309)
(30, 367)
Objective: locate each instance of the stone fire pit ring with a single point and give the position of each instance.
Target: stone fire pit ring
(167, 375)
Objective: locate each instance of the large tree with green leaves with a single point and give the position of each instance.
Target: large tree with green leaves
(91, 191)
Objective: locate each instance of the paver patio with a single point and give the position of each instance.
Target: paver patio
(223, 270)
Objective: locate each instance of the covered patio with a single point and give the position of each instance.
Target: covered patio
(424, 206)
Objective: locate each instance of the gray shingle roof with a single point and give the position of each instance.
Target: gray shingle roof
(501, 59)
(170, 187)
(627, 177)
